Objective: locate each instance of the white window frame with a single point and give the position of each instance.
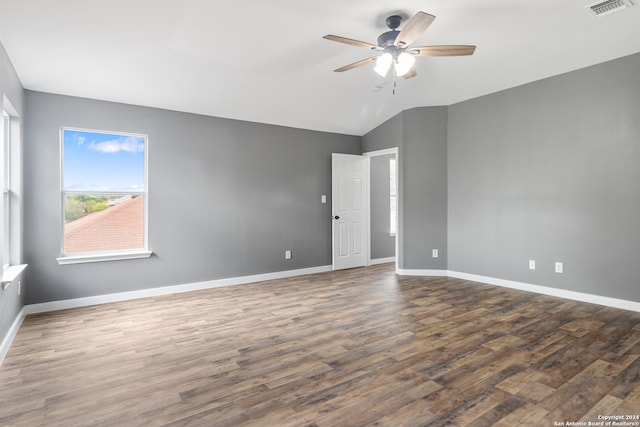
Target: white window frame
(78, 258)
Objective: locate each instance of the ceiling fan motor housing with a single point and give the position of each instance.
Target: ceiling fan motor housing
(386, 39)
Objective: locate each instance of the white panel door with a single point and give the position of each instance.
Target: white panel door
(347, 205)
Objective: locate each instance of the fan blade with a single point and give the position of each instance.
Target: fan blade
(355, 64)
(410, 74)
(352, 42)
(443, 50)
(413, 29)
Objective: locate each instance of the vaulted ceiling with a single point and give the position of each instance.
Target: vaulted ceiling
(266, 61)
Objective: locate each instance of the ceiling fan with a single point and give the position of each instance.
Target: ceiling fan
(396, 49)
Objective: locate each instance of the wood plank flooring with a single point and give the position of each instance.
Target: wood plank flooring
(353, 348)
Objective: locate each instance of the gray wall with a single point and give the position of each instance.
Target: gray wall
(388, 135)
(424, 172)
(546, 171)
(383, 245)
(10, 302)
(226, 198)
(421, 137)
(550, 171)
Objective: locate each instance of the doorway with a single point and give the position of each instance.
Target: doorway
(382, 206)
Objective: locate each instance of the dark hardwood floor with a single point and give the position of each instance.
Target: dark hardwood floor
(353, 348)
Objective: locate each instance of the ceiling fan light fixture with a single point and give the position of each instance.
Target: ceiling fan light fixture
(383, 63)
(404, 63)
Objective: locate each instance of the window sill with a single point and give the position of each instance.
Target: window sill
(109, 256)
(11, 273)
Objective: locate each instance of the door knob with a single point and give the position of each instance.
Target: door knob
(336, 217)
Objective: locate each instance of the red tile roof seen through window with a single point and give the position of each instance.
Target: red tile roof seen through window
(116, 228)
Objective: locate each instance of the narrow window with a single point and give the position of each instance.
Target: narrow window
(393, 204)
(104, 193)
(6, 189)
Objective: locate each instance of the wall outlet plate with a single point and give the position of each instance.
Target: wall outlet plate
(287, 254)
(532, 264)
(434, 253)
(559, 267)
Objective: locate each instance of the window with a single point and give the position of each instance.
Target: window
(10, 185)
(104, 196)
(393, 199)
(5, 184)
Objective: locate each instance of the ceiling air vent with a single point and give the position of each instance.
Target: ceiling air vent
(609, 6)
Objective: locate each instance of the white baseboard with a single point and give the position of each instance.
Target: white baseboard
(167, 290)
(545, 290)
(11, 334)
(377, 261)
(429, 273)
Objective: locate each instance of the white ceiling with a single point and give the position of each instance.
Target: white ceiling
(266, 61)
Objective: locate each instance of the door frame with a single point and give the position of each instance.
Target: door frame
(367, 205)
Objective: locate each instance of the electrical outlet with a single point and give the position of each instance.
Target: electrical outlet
(532, 264)
(323, 198)
(287, 254)
(559, 267)
(434, 253)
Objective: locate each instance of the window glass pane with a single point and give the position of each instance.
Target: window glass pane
(97, 223)
(392, 197)
(5, 159)
(4, 150)
(103, 193)
(393, 215)
(392, 176)
(103, 161)
(6, 227)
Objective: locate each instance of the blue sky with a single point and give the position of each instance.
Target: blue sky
(103, 161)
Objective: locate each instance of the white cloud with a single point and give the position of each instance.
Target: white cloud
(128, 144)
